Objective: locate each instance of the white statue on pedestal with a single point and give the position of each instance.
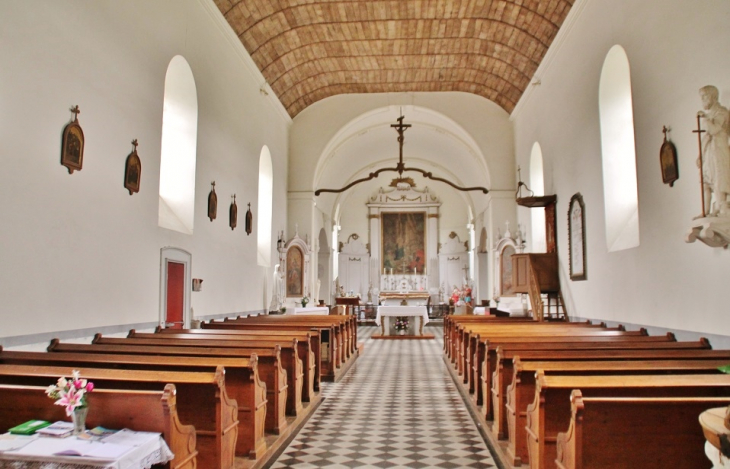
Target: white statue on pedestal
(715, 152)
(277, 289)
(713, 228)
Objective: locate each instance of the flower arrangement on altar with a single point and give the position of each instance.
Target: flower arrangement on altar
(70, 393)
(305, 300)
(401, 323)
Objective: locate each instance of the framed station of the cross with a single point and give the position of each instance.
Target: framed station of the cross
(403, 241)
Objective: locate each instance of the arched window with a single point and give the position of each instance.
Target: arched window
(266, 194)
(178, 151)
(537, 184)
(620, 191)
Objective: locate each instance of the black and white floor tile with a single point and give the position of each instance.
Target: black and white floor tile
(397, 407)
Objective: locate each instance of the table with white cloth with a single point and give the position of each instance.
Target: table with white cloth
(313, 311)
(386, 312)
(123, 450)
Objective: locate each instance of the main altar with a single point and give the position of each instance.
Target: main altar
(403, 263)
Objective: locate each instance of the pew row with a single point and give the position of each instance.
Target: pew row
(651, 433)
(201, 401)
(521, 391)
(146, 411)
(302, 342)
(242, 382)
(550, 412)
(504, 361)
(289, 357)
(269, 367)
(312, 335)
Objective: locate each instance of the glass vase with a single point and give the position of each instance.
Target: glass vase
(79, 419)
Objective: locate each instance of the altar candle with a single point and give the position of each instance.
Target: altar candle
(391, 271)
(415, 272)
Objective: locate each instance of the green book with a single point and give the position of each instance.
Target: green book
(29, 427)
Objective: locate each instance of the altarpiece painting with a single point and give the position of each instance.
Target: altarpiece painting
(294, 272)
(404, 241)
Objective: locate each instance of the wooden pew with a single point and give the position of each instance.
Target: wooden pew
(536, 330)
(269, 367)
(521, 392)
(146, 411)
(489, 363)
(315, 341)
(343, 341)
(201, 401)
(242, 383)
(305, 348)
(346, 323)
(504, 358)
(330, 348)
(550, 411)
(485, 349)
(650, 433)
(290, 360)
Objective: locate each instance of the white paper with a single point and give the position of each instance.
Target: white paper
(10, 442)
(130, 438)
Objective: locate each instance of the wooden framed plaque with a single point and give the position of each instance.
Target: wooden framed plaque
(133, 170)
(668, 161)
(72, 144)
(577, 238)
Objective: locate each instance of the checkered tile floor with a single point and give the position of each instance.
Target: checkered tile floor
(397, 407)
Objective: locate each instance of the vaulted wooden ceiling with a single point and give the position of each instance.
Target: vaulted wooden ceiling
(309, 50)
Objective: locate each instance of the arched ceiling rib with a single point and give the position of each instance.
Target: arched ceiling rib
(309, 50)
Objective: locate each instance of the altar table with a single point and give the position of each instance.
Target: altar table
(313, 311)
(126, 450)
(391, 311)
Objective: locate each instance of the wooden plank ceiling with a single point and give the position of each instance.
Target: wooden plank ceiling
(312, 49)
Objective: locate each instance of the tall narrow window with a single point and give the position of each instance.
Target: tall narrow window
(266, 194)
(178, 150)
(537, 184)
(620, 191)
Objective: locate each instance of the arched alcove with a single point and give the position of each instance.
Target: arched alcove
(265, 208)
(537, 184)
(178, 149)
(618, 153)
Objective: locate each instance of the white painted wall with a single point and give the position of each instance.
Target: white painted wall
(674, 47)
(77, 250)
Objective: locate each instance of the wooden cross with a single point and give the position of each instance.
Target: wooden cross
(400, 127)
(699, 133)
(466, 272)
(212, 186)
(134, 142)
(76, 112)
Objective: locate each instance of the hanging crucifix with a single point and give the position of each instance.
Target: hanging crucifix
(400, 167)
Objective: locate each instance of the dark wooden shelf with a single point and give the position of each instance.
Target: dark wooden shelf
(534, 202)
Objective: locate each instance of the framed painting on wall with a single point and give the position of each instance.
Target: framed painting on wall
(403, 242)
(505, 270)
(577, 237)
(294, 272)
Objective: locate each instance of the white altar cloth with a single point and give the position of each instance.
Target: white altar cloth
(140, 451)
(415, 311)
(313, 311)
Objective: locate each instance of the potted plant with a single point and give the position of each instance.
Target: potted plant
(305, 300)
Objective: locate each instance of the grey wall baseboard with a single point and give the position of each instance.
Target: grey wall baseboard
(719, 342)
(41, 341)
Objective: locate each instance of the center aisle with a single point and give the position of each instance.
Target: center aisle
(396, 407)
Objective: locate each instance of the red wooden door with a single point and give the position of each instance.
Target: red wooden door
(175, 294)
